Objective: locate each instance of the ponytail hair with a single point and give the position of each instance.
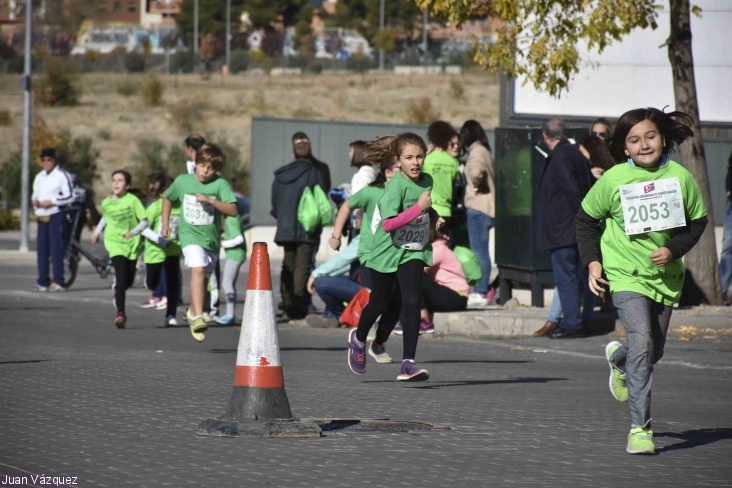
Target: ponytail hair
(157, 182)
(379, 151)
(675, 127)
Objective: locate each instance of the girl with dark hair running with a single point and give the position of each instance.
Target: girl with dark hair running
(653, 214)
(400, 251)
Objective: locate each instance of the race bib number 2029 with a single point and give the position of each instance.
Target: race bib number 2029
(415, 235)
(652, 206)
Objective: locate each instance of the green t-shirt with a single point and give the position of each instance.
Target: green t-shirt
(200, 223)
(233, 229)
(443, 169)
(367, 198)
(400, 194)
(153, 252)
(122, 215)
(626, 259)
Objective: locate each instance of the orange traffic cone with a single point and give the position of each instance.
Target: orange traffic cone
(259, 405)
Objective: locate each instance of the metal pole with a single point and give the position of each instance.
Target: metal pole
(195, 27)
(167, 44)
(228, 34)
(381, 29)
(25, 178)
(424, 34)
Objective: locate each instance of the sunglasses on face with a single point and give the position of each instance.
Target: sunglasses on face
(454, 144)
(599, 134)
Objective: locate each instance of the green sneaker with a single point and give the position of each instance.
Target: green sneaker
(198, 327)
(640, 441)
(618, 387)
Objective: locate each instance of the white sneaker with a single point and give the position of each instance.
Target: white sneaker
(209, 317)
(372, 334)
(379, 353)
(476, 300)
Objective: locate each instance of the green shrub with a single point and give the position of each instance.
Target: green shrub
(188, 113)
(6, 119)
(421, 111)
(134, 62)
(152, 155)
(239, 61)
(8, 220)
(183, 62)
(128, 87)
(59, 87)
(457, 90)
(236, 171)
(152, 90)
(104, 134)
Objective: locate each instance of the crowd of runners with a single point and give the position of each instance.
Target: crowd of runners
(619, 214)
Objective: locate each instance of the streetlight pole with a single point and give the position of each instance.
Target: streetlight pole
(25, 178)
(424, 33)
(167, 43)
(228, 34)
(381, 29)
(195, 27)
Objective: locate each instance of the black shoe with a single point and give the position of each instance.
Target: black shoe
(566, 333)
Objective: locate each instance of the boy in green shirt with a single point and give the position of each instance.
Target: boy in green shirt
(125, 219)
(653, 214)
(204, 198)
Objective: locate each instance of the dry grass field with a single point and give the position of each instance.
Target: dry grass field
(223, 108)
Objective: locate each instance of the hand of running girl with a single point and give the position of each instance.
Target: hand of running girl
(596, 278)
(128, 235)
(94, 238)
(661, 257)
(425, 201)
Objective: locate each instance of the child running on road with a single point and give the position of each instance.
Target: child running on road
(160, 253)
(125, 219)
(400, 251)
(204, 198)
(653, 214)
(378, 151)
(236, 254)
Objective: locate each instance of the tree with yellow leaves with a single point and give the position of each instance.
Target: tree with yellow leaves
(538, 42)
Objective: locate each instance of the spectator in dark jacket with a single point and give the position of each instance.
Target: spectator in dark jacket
(564, 183)
(322, 167)
(725, 260)
(290, 182)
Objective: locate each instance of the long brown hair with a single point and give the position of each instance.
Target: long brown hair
(357, 160)
(380, 151)
(673, 126)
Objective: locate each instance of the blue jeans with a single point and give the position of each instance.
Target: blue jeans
(725, 260)
(567, 273)
(479, 229)
(588, 305)
(51, 242)
(334, 291)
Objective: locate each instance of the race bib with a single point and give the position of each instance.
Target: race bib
(173, 223)
(197, 213)
(652, 206)
(415, 235)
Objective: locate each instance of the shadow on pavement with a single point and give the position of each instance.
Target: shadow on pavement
(25, 362)
(694, 438)
(445, 384)
(35, 308)
(470, 361)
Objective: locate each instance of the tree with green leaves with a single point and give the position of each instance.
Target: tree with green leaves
(363, 16)
(538, 42)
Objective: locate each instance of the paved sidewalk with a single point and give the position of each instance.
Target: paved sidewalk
(79, 398)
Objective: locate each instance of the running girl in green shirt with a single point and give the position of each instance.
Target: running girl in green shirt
(205, 198)
(125, 220)
(160, 253)
(379, 151)
(400, 251)
(653, 214)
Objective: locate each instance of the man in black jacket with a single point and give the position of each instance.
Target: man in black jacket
(287, 189)
(564, 183)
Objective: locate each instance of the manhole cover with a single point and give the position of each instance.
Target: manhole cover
(374, 425)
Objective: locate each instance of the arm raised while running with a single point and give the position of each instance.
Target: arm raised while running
(228, 209)
(343, 214)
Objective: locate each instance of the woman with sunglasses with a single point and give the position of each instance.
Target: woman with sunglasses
(602, 128)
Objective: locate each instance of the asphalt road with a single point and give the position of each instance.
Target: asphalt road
(79, 398)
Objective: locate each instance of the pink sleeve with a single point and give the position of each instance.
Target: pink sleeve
(395, 223)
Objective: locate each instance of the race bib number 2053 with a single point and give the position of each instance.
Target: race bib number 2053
(652, 206)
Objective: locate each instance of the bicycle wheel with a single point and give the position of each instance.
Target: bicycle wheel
(71, 267)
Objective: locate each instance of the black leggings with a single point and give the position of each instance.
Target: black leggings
(439, 298)
(124, 277)
(172, 280)
(385, 301)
